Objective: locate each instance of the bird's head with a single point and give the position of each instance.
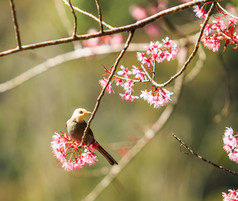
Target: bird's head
(80, 113)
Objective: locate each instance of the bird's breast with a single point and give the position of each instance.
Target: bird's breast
(76, 129)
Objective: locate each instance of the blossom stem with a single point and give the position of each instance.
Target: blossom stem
(226, 12)
(149, 77)
(128, 79)
(154, 69)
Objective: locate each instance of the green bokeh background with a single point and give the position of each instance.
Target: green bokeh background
(32, 112)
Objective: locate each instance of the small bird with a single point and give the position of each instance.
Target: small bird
(76, 126)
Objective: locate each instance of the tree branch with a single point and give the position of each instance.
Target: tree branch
(89, 15)
(75, 20)
(203, 159)
(226, 12)
(16, 27)
(99, 15)
(130, 27)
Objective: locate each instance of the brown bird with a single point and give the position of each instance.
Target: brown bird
(76, 126)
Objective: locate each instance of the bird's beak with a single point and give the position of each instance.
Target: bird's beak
(87, 113)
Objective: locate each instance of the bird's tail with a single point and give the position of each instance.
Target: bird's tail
(109, 158)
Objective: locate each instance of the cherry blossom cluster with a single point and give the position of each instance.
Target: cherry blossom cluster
(158, 97)
(113, 40)
(230, 141)
(231, 196)
(71, 155)
(222, 28)
(156, 52)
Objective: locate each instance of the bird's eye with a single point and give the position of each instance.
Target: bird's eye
(80, 112)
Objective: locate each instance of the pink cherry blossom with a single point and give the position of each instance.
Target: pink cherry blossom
(119, 81)
(127, 78)
(158, 52)
(109, 88)
(153, 47)
(207, 29)
(221, 29)
(148, 62)
(231, 144)
(167, 42)
(141, 56)
(71, 155)
(218, 25)
(200, 12)
(231, 196)
(124, 72)
(211, 42)
(229, 131)
(128, 97)
(233, 155)
(89, 157)
(128, 86)
(135, 70)
(232, 21)
(140, 75)
(146, 95)
(158, 98)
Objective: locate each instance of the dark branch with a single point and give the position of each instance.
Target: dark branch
(89, 15)
(75, 20)
(134, 26)
(16, 27)
(203, 159)
(99, 15)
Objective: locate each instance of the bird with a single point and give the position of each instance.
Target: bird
(76, 126)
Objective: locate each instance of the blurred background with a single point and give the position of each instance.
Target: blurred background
(33, 111)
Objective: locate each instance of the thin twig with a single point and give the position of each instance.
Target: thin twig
(75, 20)
(226, 12)
(65, 21)
(16, 27)
(203, 159)
(63, 16)
(99, 15)
(149, 77)
(108, 80)
(130, 27)
(153, 71)
(194, 50)
(88, 14)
